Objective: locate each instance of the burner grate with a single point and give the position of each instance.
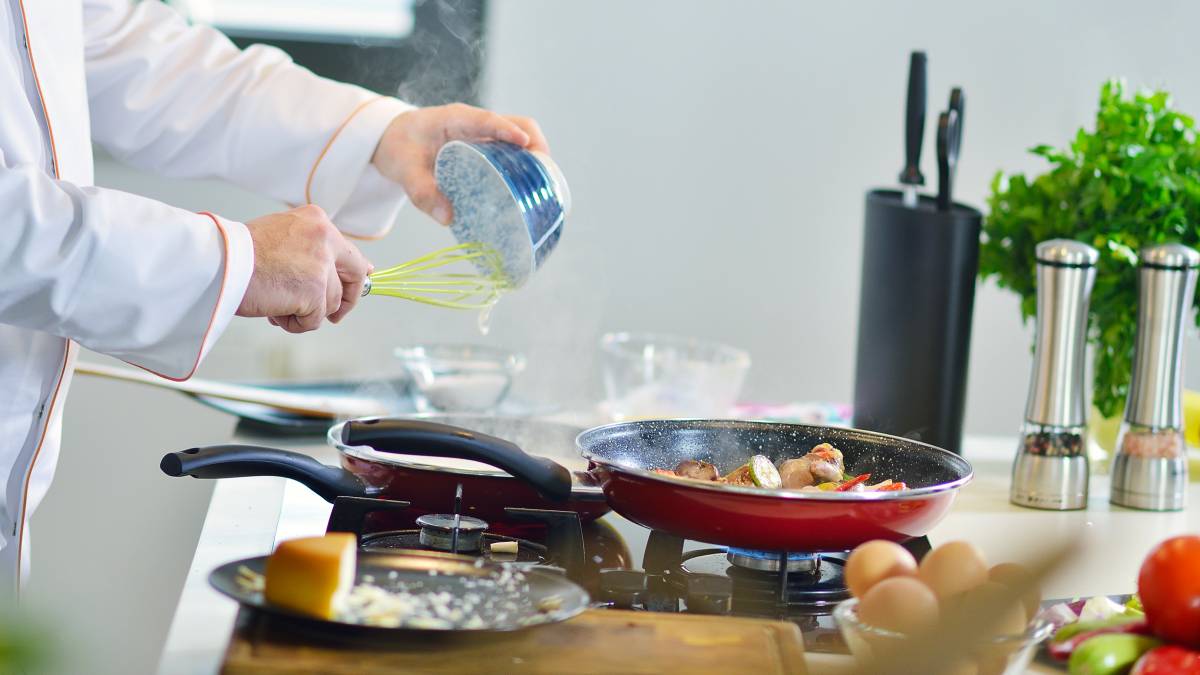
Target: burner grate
(814, 590)
(527, 551)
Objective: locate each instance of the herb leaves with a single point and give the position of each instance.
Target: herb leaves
(1131, 182)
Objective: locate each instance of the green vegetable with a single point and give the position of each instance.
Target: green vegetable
(1131, 182)
(25, 645)
(763, 473)
(1109, 654)
(1072, 629)
(1134, 604)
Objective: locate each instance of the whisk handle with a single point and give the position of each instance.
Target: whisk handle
(366, 287)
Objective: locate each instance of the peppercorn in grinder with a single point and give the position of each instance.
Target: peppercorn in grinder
(1150, 467)
(1051, 468)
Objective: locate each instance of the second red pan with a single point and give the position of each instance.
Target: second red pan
(624, 456)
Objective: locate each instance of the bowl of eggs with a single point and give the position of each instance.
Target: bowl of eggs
(898, 606)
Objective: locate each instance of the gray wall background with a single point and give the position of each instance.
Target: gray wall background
(717, 152)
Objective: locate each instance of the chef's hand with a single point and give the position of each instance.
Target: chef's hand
(304, 270)
(410, 144)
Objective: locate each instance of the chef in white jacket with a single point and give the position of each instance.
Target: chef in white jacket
(144, 281)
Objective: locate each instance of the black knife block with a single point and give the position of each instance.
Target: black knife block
(914, 318)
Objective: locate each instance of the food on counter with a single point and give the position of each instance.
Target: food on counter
(249, 581)
(994, 598)
(312, 575)
(420, 605)
(822, 469)
(1167, 660)
(951, 583)
(902, 604)
(1161, 443)
(1014, 575)
(1101, 608)
(315, 576)
(1101, 635)
(875, 561)
(1110, 654)
(1070, 637)
(952, 568)
(1169, 588)
(504, 547)
(1053, 443)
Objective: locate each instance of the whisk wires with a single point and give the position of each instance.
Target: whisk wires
(418, 279)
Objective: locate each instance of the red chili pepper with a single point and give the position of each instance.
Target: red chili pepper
(898, 485)
(852, 482)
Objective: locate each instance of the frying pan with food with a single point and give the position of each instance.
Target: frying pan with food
(624, 456)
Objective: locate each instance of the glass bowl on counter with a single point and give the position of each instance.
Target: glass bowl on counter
(459, 377)
(1001, 655)
(665, 376)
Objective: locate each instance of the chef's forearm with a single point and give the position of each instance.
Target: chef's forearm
(118, 273)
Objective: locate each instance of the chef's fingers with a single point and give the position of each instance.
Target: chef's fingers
(350, 263)
(273, 321)
(333, 292)
(306, 322)
(352, 289)
(422, 189)
(289, 323)
(470, 122)
(537, 140)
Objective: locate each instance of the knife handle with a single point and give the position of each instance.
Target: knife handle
(914, 121)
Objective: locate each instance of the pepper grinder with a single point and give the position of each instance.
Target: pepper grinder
(1051, 468)
(1150, 467)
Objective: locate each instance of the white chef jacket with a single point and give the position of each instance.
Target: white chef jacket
(141, 280)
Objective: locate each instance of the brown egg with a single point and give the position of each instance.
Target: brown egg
(900, 604)
(965, 667)
(1012, 574)
(875, 561)
(953, 568)
(996, 600)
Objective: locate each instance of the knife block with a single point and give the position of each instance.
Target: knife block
(914, 318)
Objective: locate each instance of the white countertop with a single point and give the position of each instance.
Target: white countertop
(248, 515)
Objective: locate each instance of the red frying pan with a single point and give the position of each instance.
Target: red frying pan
(500, 462)
(624, 454)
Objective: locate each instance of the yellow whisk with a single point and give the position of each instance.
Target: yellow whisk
(415, 280)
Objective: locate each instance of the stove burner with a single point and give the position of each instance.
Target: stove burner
(768, 561)
(759, 592)
(527, 551)
(444, 532)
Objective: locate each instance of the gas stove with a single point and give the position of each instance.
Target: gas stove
(626, 566)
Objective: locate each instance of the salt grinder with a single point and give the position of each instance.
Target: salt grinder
(1150, 468)
(1051, 468)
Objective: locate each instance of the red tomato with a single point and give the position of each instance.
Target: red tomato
(1169, 586)
(1168, 660)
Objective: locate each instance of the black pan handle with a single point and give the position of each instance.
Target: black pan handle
(240, 461)
(433, 439)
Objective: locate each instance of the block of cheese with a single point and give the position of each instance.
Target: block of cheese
(311, 575)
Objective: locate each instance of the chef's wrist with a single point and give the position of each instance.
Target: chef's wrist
(234, 272)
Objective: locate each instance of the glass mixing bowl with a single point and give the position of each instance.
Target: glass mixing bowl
(459, 378)
(1002, 655)
(649, 376)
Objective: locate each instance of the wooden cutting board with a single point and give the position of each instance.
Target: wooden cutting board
(597, 641)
